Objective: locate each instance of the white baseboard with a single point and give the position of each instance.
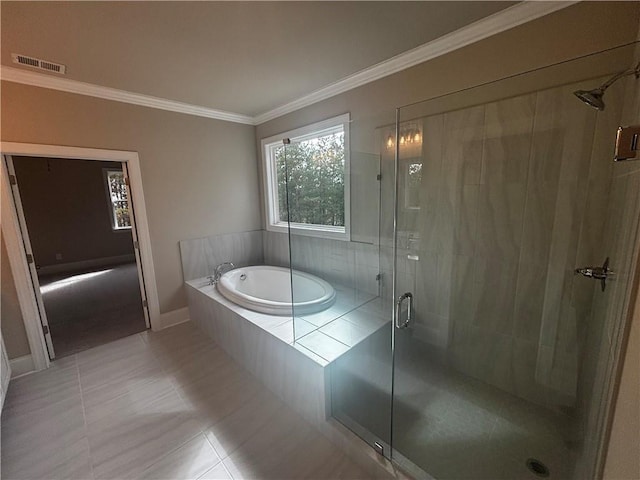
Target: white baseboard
(22, 366)
(172, 318)
(84, 264)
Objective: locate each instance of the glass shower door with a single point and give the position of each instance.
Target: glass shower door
(497, 341)
(332, 180)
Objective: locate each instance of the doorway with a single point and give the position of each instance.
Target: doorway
(78, 228)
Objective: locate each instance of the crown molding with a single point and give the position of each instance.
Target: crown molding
(11, 74)
(506, 19)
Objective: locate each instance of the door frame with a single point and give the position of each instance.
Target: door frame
(15, 244)
(9, 170)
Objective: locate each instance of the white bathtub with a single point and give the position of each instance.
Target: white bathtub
(267, 289)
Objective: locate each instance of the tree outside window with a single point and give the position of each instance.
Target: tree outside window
(119, 198)
(315, 187)
(307, 180)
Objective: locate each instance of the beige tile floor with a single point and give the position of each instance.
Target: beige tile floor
(165, 405)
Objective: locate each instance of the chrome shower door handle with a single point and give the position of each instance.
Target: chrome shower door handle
(399, 302)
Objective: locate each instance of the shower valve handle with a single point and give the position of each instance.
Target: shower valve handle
(597, 273)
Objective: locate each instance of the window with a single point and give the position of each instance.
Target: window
(413, 181)
(307, 180)
(118, 198)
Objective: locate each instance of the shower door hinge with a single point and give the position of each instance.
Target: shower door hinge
(136, 245)
(379, 448)
(145, 304)
(45, 329)
(13, 180)
(379, 177)
(29, 258)
(627, 143)
(378, 277)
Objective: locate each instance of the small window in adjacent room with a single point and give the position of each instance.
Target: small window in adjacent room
(118, 199)
(307, 180)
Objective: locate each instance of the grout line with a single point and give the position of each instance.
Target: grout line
(253, 435)
(84, 417)
(175, 390)
(526, 204)
(178, 447)
(314, 353)
(173, 382)
(226, 469)
(214, 466)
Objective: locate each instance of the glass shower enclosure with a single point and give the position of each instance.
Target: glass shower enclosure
(462, 343)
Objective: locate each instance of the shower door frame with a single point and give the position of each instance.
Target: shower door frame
(616, 355)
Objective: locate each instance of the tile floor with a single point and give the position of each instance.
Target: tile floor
(91, 308)
(158, 405)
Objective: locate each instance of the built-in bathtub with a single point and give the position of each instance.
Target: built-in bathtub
(267, 289)
(264, 344)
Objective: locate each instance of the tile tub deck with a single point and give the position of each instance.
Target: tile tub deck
(297, 371)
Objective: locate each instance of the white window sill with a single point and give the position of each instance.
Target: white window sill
(308, 230)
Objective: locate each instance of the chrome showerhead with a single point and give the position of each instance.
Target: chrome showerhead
(593, 98)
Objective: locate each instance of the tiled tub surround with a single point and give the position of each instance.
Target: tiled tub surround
(353, 264)
(298, 372)
(201, 255)
(321, 336)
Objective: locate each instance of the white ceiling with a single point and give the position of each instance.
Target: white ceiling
(243, 57)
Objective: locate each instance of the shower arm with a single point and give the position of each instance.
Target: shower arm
(618, 76)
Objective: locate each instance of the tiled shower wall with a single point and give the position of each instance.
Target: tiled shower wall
(610, 309)
(513, 197)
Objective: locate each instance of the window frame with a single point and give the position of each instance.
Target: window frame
(110, 204)
(270, 181)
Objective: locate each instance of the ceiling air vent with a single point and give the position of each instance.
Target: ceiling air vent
(38, 63)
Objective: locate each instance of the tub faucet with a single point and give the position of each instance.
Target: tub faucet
(219, 270)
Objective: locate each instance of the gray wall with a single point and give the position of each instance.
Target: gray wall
(199, 175)
(67, 209)
(577, 30)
